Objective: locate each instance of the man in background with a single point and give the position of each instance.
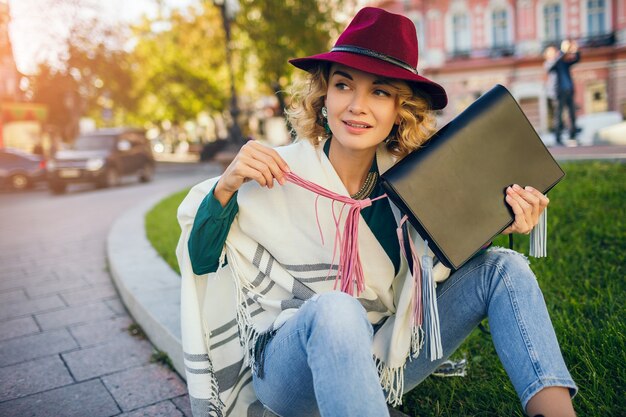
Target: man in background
(560, 86)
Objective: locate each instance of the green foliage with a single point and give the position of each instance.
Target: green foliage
(158, 356)
(162, 228)
(92, 74)
(135, 330)
(583, 284)
(180, 71)
(175, 67)
(278, 30)
(51, 87)
(584, 287)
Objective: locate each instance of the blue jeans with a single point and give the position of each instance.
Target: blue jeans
(320, 361)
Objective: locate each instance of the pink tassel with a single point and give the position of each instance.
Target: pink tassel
(425, 316)
(350, 270)
(417, 276)
(425, 319)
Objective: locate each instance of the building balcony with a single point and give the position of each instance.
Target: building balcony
(459, 54)
(604, 39)
(590, 41)
(501, 51)
(496, 51)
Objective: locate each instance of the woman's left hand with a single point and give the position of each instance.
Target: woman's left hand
(527, 204)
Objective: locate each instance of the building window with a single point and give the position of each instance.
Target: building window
(500, 34)
(596, 10)
(552, 22)
(433, 27)
(461, 33)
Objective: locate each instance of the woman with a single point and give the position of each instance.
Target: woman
(267, 322)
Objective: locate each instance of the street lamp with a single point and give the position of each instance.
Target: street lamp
(229, 9)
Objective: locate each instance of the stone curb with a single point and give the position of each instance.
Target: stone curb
(149, 288)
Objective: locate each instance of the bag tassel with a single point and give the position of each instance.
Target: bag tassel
(431, 313)
(425, 326)
(539, 237)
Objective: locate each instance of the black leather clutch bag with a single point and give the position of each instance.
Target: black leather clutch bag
(453, 188)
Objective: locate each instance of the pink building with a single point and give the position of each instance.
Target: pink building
(469, 45)
(9, 76)
(20, 122)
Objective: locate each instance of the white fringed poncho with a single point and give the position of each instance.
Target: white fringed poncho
(276, 261)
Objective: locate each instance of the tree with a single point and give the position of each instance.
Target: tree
(101, 67)
(276, 30)
(180, 71)
(56, 90)
(174, 67)
(90, 73)
(91, 79)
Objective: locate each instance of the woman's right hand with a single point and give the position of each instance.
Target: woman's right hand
(254, 161)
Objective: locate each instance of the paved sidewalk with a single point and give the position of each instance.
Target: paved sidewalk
(583, 153)
(65, 344)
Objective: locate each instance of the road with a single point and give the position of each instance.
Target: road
(65, 344)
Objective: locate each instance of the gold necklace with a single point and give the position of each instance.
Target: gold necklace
(367, 187)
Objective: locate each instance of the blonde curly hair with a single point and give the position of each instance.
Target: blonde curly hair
(417, 120)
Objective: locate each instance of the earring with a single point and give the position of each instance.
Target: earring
(393, 135)
(325, 116)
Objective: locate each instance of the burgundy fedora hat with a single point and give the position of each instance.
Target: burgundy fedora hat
(380, 43)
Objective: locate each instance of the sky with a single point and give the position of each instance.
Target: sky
(36, 29)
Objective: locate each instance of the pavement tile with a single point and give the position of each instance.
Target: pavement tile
(183, 404)
(73, 253)
(33, 376)
(80, 269)
(120, 353)
(11, 255)
(97, 278)
(74, 315)
(38, 305)
(162, 409)
(21, 279)
(83, 260)
(11, 270)
(35, 346)
(62, 260)
(13, 296)
(90, 294)
(100, 331)
(56, 286)
(142, 386)
(18, 327)
(89, 399)
(117, 306)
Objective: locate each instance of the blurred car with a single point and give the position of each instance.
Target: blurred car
(20, 170)
(102, 158)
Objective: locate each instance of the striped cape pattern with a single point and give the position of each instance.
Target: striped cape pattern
(276, 261)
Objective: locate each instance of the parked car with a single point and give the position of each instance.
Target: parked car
(20, 170)
(102, 158)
